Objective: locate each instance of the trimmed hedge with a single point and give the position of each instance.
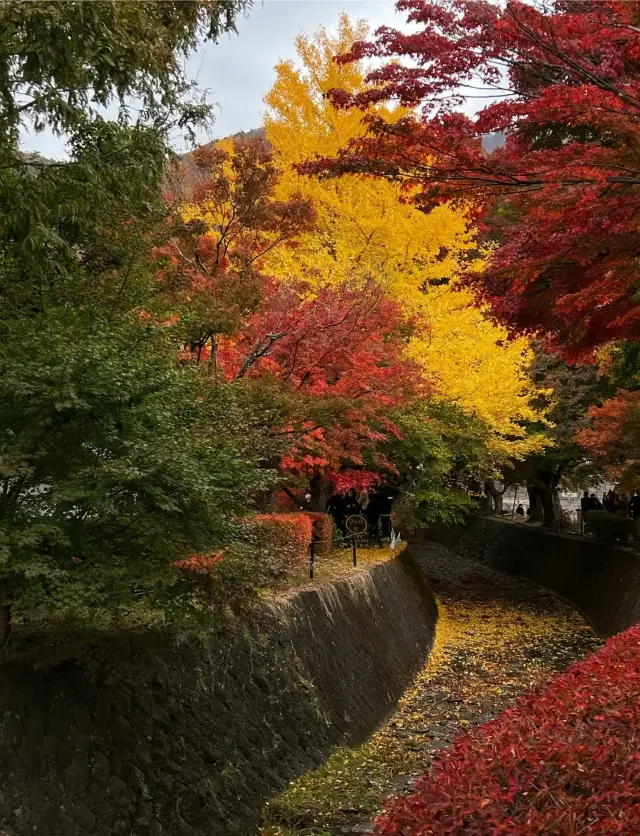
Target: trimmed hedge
(565, 759)
(322, 527)
(605, 524)
(282, 540)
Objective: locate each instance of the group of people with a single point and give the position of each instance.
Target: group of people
(615, 503)
(374, 505)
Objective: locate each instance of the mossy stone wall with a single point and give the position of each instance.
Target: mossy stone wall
(600, 580)
(162, 739)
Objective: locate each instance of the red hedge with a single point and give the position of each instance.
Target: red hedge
(565, 759)
(284, 538)
(322, 531)
(283, 502)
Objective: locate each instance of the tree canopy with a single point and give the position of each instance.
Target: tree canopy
(370, 230)
(561, 80)
(115, 459)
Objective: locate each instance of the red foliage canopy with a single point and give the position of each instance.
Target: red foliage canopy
(563, 760)
(613, 438)
(335, 355)
(566, 82)
(340, 354)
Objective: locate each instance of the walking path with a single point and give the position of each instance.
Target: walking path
(496, 637)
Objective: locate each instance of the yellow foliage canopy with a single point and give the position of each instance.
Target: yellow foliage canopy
(367, 231)
(475, 364)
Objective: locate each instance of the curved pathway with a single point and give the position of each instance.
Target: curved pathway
(496, 637)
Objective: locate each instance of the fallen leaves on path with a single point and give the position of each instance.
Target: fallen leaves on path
(496, 638)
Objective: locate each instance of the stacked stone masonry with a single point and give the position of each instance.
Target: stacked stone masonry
(162, 739)
(602, 581)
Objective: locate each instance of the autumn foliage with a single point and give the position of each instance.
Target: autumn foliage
(210, 271)
(613, 437)
(336, 303)
(562, 760)
(199, 564)
(335, 354)
(282, 539)
(322, 531)
(368, 230)
(340, 352)
(560, 200)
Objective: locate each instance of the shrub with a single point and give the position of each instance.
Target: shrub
(282, 502)
(605, 524)
(281, 541)
(563, 760)
(322, 529)
(119, 462)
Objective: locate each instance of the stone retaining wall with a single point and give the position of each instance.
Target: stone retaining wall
(601, 581)
(166, 740)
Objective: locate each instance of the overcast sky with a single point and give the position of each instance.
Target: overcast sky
(238, 71)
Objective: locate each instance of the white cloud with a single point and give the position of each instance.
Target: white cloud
(238, 71)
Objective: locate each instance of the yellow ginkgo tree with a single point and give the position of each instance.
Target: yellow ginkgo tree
(365, 231)
(364, 228)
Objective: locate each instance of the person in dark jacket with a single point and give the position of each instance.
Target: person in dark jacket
(586, 505)
(387, 498)
(336, 507)
(352, 506)
(609, 502)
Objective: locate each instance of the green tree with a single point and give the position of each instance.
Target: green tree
(115, 462)
(61, 60)
(440, 453)
(115, 458)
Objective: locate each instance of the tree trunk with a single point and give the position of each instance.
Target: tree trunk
(548, 518)
(5, 624)
(536, 512)
(320, 493)
(557, 509)
(544, 491)
(495, 498)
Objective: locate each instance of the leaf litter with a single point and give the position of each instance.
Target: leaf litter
(496, 638)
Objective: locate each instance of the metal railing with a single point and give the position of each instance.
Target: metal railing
(349, 540)
(352, 539)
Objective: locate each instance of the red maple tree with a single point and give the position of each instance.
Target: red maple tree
(613, 437)
(210, 271)
(339, 353)
(331, 360)
(563, 82)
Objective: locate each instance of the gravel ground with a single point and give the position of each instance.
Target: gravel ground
(497, 637)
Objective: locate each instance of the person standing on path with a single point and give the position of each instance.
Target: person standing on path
(336, 507)
(634, 511)
(586, 504)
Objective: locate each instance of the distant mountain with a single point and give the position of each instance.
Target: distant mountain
(183, 175)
